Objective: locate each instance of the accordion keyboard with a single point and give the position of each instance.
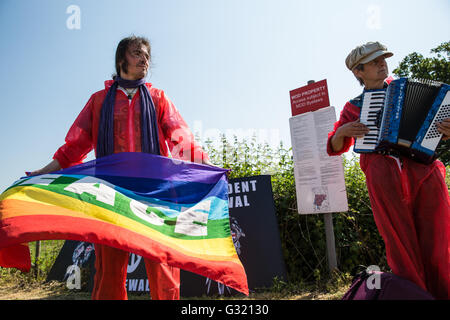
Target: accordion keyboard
(372, 105)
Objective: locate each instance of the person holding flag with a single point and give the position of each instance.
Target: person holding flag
(128, 115)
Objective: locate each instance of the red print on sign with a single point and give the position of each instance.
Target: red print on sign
(309, 98)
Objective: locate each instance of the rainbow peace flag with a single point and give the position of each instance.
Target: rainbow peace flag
(163, 209)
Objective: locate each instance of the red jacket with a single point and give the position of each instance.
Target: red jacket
(174, 134)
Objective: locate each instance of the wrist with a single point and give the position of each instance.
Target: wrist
(337, 142)
(339, 134)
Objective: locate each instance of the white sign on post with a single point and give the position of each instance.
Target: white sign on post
(319, 178)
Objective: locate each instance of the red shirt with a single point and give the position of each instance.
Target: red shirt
(174, 134)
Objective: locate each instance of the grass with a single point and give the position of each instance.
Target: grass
(15, 285)
(55, 290)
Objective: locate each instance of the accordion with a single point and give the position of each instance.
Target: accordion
(402, 118)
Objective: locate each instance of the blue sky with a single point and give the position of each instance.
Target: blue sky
(227, 65)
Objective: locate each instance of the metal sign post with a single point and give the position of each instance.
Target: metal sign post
(329, 233)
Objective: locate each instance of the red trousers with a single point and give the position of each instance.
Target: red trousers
(411, 208)
(111, 273)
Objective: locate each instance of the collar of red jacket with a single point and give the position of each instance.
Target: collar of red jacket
(109, 83)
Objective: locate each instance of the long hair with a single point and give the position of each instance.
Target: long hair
(122, 47)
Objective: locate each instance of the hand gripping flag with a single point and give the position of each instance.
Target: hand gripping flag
(168, 210)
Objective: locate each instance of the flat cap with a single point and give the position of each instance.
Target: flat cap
(366, 53)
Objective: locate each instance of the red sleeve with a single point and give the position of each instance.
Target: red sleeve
(78, 139)
(179, 138)
(348, 114)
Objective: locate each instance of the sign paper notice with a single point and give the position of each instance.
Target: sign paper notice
(319, 178)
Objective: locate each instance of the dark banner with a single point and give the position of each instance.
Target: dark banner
(255, 234)
(75, 265)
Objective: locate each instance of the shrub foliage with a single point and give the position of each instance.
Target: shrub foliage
(303, 236)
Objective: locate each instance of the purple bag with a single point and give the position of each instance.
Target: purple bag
(376, 285)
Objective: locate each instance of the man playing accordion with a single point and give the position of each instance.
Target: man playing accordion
(410, 200)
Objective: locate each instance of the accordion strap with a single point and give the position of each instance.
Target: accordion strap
(389, 152)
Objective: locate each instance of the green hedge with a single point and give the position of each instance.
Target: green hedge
(303, 239)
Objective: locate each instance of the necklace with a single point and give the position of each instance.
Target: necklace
(130, 93)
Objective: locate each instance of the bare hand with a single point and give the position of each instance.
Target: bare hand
(51, 167)
(353, 129)
(33, 173)
(207, 162)
(444, 128)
